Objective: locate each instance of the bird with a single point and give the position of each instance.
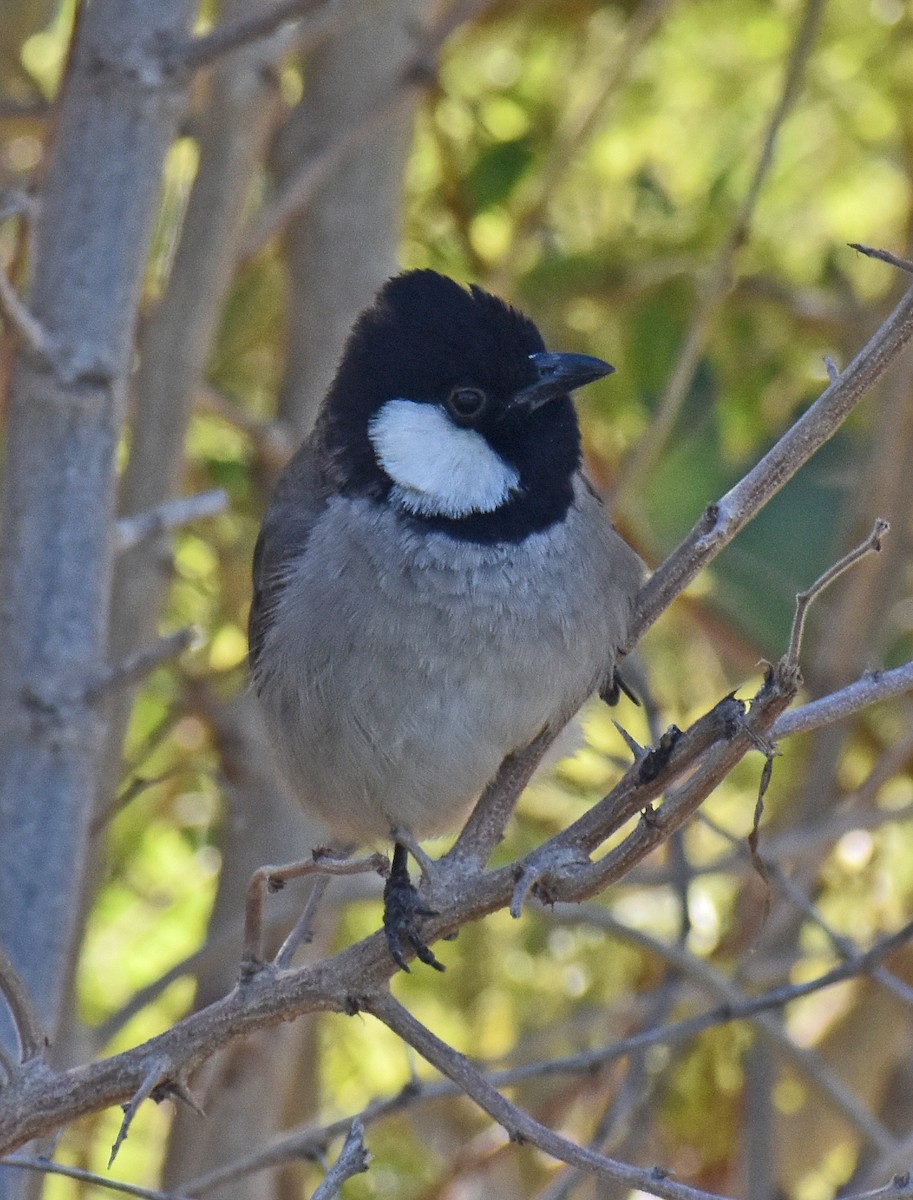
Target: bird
(435, 582)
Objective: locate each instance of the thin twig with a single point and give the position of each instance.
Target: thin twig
(274, 441)
(733, 1000)
(134, 530)
(903, 264)
(274, 878)
(29, 1107)
(578, 125)
(17, 315)
(719, 278)
(303, 929)
(872, 544)
(353, 1160)
(870, 689)
(29, 1163)
(520, 1126)
(200, 51)
(133, 788)
(137, 666)
(304, 185)
(32, 1039)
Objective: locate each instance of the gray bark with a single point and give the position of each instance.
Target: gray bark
(97, 208)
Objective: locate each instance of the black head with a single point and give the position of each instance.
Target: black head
(477, 404)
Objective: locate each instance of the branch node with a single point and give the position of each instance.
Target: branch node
(181, 1090)
(541, 867)
(353, 1159)
(871, 544)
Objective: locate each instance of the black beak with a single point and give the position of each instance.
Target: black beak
(559, 374)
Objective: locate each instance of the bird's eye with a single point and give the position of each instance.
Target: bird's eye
(465, 404)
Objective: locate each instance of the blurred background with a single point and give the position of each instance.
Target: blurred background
(670, 186)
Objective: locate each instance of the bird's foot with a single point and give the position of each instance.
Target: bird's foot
(401, 908)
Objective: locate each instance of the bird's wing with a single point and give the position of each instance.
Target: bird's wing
(298, 501)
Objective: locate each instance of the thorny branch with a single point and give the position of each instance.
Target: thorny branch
(683, 769)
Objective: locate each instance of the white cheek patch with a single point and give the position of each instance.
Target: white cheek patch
(438, 469)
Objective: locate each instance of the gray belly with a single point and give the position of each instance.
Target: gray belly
(398, 672)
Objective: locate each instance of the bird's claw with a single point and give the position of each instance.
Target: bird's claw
(401, 908)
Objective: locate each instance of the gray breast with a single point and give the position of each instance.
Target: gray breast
(399, 668)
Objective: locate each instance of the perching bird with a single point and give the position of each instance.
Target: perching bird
(435, 582)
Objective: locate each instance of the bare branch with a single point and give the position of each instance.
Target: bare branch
(273, 440)
(485, 826)
(733, 1000)
(520, 1126)
(903, 264)
(17, 315)
(872, 544)
(32, 1039)
(870, 689)
(353, 1160)
(723, 520)
(274, 878)
(200, 51)
(132, 531)
(26, 1162)
(138, 665)
(700, 756)
(301, 187)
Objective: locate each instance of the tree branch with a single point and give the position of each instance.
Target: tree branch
(870, 689)
(520, 1126)
(45, 1166)
(32, 1038)
(137, 666)
(132, 531)
(193, 53)
(872, 544)
(353, 1159)
(28, 327)
(722, 521)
